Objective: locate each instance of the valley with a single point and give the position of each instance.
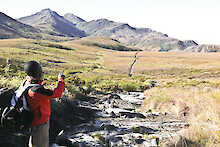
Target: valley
(175, 84)
(125, 86)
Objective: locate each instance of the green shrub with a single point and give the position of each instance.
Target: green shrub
(45, 44)
(129, 87)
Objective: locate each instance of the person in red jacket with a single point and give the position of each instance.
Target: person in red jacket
(38, 100)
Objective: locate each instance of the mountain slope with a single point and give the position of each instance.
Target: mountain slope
(52, 23)
(204, 48)
(74, 26)
(144, 38)
(11, 28)
(105, 43)
(73, 18)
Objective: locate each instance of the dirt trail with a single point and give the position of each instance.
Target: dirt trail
(130, 71)
(118, 123)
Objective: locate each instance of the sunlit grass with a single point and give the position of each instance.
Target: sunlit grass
(199, 107)
(85, 65)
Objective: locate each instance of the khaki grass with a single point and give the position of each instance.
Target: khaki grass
(119, 61)
(199, 107)
(176, 60)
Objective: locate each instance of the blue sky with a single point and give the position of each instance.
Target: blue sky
(182, 19)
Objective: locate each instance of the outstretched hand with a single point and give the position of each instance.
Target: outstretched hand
(61, 76)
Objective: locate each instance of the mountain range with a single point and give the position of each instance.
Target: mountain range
(11, 28)
(51, 23)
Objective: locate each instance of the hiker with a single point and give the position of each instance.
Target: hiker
(38, 99)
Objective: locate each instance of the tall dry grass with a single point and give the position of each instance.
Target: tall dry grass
(200, 107)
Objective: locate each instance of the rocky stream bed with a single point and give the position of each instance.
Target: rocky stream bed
(112, 120)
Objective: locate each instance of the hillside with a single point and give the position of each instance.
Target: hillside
(48, 25)
(105, 43)
(54, 24)
(204, 48)
(73, 26)
(143, 38)
(88, 61)
(11, 28)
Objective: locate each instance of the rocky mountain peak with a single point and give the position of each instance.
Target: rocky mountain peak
(2, 16)
(73, 18)
(48, 12)
(51, 22)
(102, 23)
(190, 42)
(43, 15)
(123, 26)
(103, 20)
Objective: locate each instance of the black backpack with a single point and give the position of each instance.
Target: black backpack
(15, 114)
(5, 97)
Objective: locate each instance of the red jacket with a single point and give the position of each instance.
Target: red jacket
(39, 100)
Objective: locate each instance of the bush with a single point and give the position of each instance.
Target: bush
(58, 46)
(129, 87)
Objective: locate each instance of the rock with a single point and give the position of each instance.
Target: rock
(139, 141)
(133, 97)
(104, 114)
(155, 142)
(84, 140)
(115, 96)
(97, 122)
(115, 110)
(152, 114)
(108, 127)
(116, 123)
(143, 130)
(64, 141)
(116, 141)
(132, 115)
(151, 143)
(113, 115)
(13, 139)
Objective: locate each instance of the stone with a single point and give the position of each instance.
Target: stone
(132, 115)
(139, 141)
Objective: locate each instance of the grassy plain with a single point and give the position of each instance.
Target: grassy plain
(187, 84)
(83, 63)
(189, 89)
